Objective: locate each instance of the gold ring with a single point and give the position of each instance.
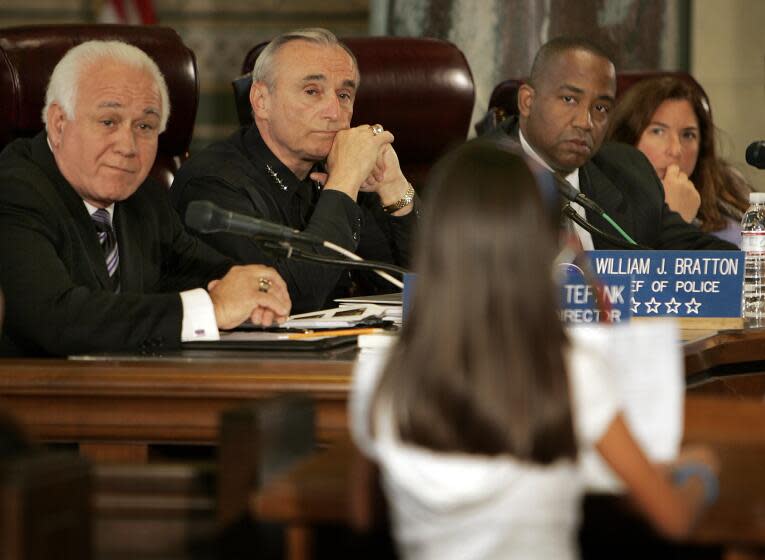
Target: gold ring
(377, 129)
(264, 284)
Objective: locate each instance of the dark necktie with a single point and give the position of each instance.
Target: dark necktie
(108, 241)
(569, 227)
(569, 233)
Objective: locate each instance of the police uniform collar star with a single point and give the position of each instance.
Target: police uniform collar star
(275, 176)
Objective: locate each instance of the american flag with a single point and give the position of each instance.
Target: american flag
(132, 12)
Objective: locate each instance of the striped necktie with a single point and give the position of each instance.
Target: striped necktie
(108, 241)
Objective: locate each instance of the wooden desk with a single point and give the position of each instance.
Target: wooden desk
(725, 353)
(727, 364)
(735, 430)
(116, 409)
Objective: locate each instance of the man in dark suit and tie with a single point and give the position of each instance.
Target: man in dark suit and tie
(564, 110)
(92, 256)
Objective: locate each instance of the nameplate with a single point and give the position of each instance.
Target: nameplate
(676, 283)
(584, 301)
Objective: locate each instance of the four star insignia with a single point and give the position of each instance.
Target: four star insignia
(652, 306)
(672, 306)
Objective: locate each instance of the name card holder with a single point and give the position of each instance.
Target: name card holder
(584, 302)
(701, 289)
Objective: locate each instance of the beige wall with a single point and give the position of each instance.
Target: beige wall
(728, 59)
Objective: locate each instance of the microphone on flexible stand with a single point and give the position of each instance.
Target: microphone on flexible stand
(572, 214)
(574, 195)
(206, 217)
(755, 154)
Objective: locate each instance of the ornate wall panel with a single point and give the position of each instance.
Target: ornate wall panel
(500, 37)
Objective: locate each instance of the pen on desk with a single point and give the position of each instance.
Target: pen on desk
(337, 332)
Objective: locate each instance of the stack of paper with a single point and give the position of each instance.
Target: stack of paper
(345, 316)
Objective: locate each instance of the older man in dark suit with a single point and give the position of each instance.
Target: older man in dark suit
(92, 256)
(564, 110)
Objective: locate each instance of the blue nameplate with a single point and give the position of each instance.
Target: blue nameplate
(676, 283)
(579, 303)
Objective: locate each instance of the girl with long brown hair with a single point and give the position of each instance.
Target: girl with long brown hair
(478, 412)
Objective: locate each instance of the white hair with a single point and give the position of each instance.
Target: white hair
(65, 79)
(264, 71)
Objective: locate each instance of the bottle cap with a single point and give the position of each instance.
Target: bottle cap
(757, 198)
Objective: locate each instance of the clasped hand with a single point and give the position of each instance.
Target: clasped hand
(362, 160)
(236, 297)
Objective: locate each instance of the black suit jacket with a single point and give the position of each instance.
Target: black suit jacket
(242, 175)
(53, 272)
(623, 182)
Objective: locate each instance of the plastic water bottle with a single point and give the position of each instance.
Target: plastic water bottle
(753, 243)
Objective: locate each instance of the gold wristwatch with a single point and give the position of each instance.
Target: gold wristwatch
(402, 202)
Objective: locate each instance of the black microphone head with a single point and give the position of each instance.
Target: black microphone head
(204, 216)
(755, 154)
(565, 188)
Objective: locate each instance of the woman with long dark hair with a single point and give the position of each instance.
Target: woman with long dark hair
(478, 413)
(670, 121)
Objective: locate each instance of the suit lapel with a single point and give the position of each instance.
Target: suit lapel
(595, 185)
(128, 230)
(86, 231)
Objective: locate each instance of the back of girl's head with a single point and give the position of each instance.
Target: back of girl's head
(479, 366)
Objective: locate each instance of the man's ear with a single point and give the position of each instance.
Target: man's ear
(526, 95)
(260, 99)
(56, 122)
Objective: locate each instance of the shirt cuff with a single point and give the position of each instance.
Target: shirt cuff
(198, 316)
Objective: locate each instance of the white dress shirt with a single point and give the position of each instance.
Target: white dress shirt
(573, 178)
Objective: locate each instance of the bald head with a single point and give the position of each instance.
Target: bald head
(551, 52)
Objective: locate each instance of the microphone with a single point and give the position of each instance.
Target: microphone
(755, 154)
(569, 192)
(574, 216)
(206, 217)
(574, 195)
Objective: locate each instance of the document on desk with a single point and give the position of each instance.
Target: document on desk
(380, 299)
(270, 336)
(346, 316)
(645, 359)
